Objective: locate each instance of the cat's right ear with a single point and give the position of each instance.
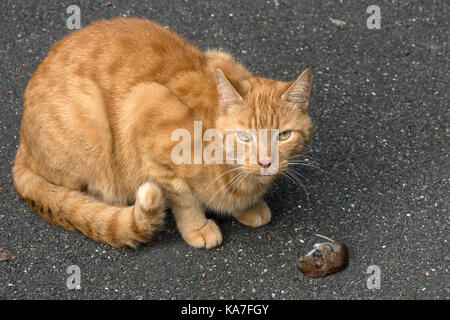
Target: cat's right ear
(228, 95)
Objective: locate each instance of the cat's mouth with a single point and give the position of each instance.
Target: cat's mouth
(264, 179)
(265, 174)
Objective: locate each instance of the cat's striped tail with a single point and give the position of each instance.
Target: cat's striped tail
(117, 226)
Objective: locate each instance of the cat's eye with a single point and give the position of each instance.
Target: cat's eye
(284, 135)
(244, 136)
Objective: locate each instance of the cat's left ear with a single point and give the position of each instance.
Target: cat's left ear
(228, 95)
(298, 92)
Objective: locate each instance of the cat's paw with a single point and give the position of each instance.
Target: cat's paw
(256, 216)
(208, 236)
(149, 197)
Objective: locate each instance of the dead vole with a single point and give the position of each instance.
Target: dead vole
(326, 258)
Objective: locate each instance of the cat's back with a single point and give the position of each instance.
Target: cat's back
(116, 54)
(71, 103)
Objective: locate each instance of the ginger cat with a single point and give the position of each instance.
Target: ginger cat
(96, 134)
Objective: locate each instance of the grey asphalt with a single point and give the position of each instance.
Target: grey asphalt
(381, 110)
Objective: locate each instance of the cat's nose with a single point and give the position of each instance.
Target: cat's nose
(264, 163)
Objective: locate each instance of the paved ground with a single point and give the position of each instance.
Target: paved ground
(381, 109)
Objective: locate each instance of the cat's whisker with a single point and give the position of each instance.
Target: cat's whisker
(292, 175)
(229, 182)
(301, 160)
(226, 185)
(285, 174)
(240, 181)
(298, 156)
(236, 184)
(297, 180)
(307, 165)
(292, 169)
(221, 175)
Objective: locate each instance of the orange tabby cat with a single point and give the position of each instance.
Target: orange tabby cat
(96, 134)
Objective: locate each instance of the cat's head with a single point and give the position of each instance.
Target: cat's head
(265, 122)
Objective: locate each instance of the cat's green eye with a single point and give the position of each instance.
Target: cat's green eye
(284, 135)
(244, 136)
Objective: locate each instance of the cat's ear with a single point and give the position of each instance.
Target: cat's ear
(228, 95)
(298, 92)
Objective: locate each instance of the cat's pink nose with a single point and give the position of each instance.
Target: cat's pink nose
(264, 163)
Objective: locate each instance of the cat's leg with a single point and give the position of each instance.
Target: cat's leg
(144, 101)
(194, 227)
(256, 216)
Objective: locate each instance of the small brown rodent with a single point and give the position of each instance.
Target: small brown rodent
(326, 258)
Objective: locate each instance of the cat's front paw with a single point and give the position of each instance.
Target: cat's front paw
(208, 236)
(256, 216)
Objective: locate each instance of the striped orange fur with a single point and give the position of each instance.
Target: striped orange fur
(95, 138)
